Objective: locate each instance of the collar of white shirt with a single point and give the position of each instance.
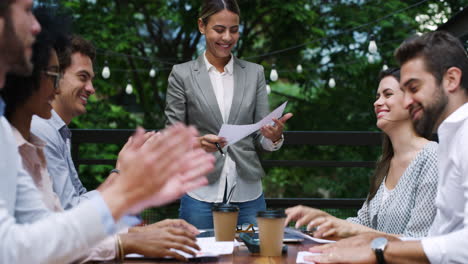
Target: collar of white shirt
(227, 69)
(459, 115)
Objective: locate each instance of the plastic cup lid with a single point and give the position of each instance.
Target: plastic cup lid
(271, 214)
(220, 207)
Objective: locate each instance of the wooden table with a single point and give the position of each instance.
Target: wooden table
(243, 256)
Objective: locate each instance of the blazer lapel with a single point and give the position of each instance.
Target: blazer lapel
(204, 84)
(239, 86)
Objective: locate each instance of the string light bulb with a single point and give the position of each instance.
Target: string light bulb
(372, 45)
(152, 73)
(106, 71)
(331, 83)
(268, 88)
(384, 67)
(129, 88)
(299, 68)
(274, 74)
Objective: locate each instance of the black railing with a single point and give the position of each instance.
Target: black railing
(317, 138)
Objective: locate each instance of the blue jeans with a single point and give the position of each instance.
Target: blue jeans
(198, 213)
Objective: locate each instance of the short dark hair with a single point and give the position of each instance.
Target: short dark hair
(440, 50)
(211, 7)
(54, 35)
(76, 44)
(5, 7)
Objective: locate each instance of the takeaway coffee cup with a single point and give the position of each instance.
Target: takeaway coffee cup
(271, 232)
(225, 221)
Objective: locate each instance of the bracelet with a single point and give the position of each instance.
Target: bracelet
(120, 251)
(114, 170)
(279, 140)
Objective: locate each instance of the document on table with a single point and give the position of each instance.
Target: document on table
(302, 254)
(295, 232)
(209, 248)
(234, 133)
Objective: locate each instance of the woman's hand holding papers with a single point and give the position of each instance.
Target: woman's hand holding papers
(274, 133)
(208, 141)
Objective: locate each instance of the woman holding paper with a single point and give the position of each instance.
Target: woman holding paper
(218, 88)
(404, 184)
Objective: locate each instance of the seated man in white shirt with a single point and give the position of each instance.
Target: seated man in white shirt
(434, 77)
(29, 233)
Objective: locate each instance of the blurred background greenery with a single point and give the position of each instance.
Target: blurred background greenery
(328, 39)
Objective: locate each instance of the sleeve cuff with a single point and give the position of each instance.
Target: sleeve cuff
(268, 145)
(434, 249)
(105, 213)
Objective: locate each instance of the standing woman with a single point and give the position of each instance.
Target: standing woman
(404, 184)
(218, 88)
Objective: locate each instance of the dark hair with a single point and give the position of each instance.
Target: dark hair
(76, 44)
(383, 164)
(439, 50)
(5, 7)
(211, 7)
(55, 28)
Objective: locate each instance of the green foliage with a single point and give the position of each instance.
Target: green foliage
(328, 38)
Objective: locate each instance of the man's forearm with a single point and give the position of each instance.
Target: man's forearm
(405, 252)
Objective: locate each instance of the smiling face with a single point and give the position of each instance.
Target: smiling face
(40, 102)
(75, 87)
(388, 106)
(221, 33)
(424, 98)
(19, 30)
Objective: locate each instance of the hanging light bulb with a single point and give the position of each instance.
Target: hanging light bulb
(268, 88)
(105, 71)
(152, 73)
(273, 74)
(129, 88)
(372, 45)
(384, 67)
(299, 68)
(331, 83)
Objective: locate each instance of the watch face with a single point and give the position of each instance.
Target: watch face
(379, 243)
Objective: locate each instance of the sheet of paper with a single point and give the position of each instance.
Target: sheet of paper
(234, 133)
(305, 236)
(302, 254)
(209, 248)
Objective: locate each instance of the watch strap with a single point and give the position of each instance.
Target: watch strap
(380, 256)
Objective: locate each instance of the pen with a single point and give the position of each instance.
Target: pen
(219, 148)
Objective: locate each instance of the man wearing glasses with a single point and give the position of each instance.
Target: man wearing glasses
(55, 75)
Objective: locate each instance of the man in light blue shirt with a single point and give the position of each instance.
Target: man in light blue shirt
(29, 233)
(76, 86)
(66, 183)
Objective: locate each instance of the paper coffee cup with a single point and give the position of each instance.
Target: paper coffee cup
(225, 221)
(271, 232)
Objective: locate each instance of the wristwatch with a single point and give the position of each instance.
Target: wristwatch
(378, 245)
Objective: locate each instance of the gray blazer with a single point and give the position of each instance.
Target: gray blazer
(191, 100)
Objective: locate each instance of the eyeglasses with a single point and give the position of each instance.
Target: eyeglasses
(57, 76)
(245, 228)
